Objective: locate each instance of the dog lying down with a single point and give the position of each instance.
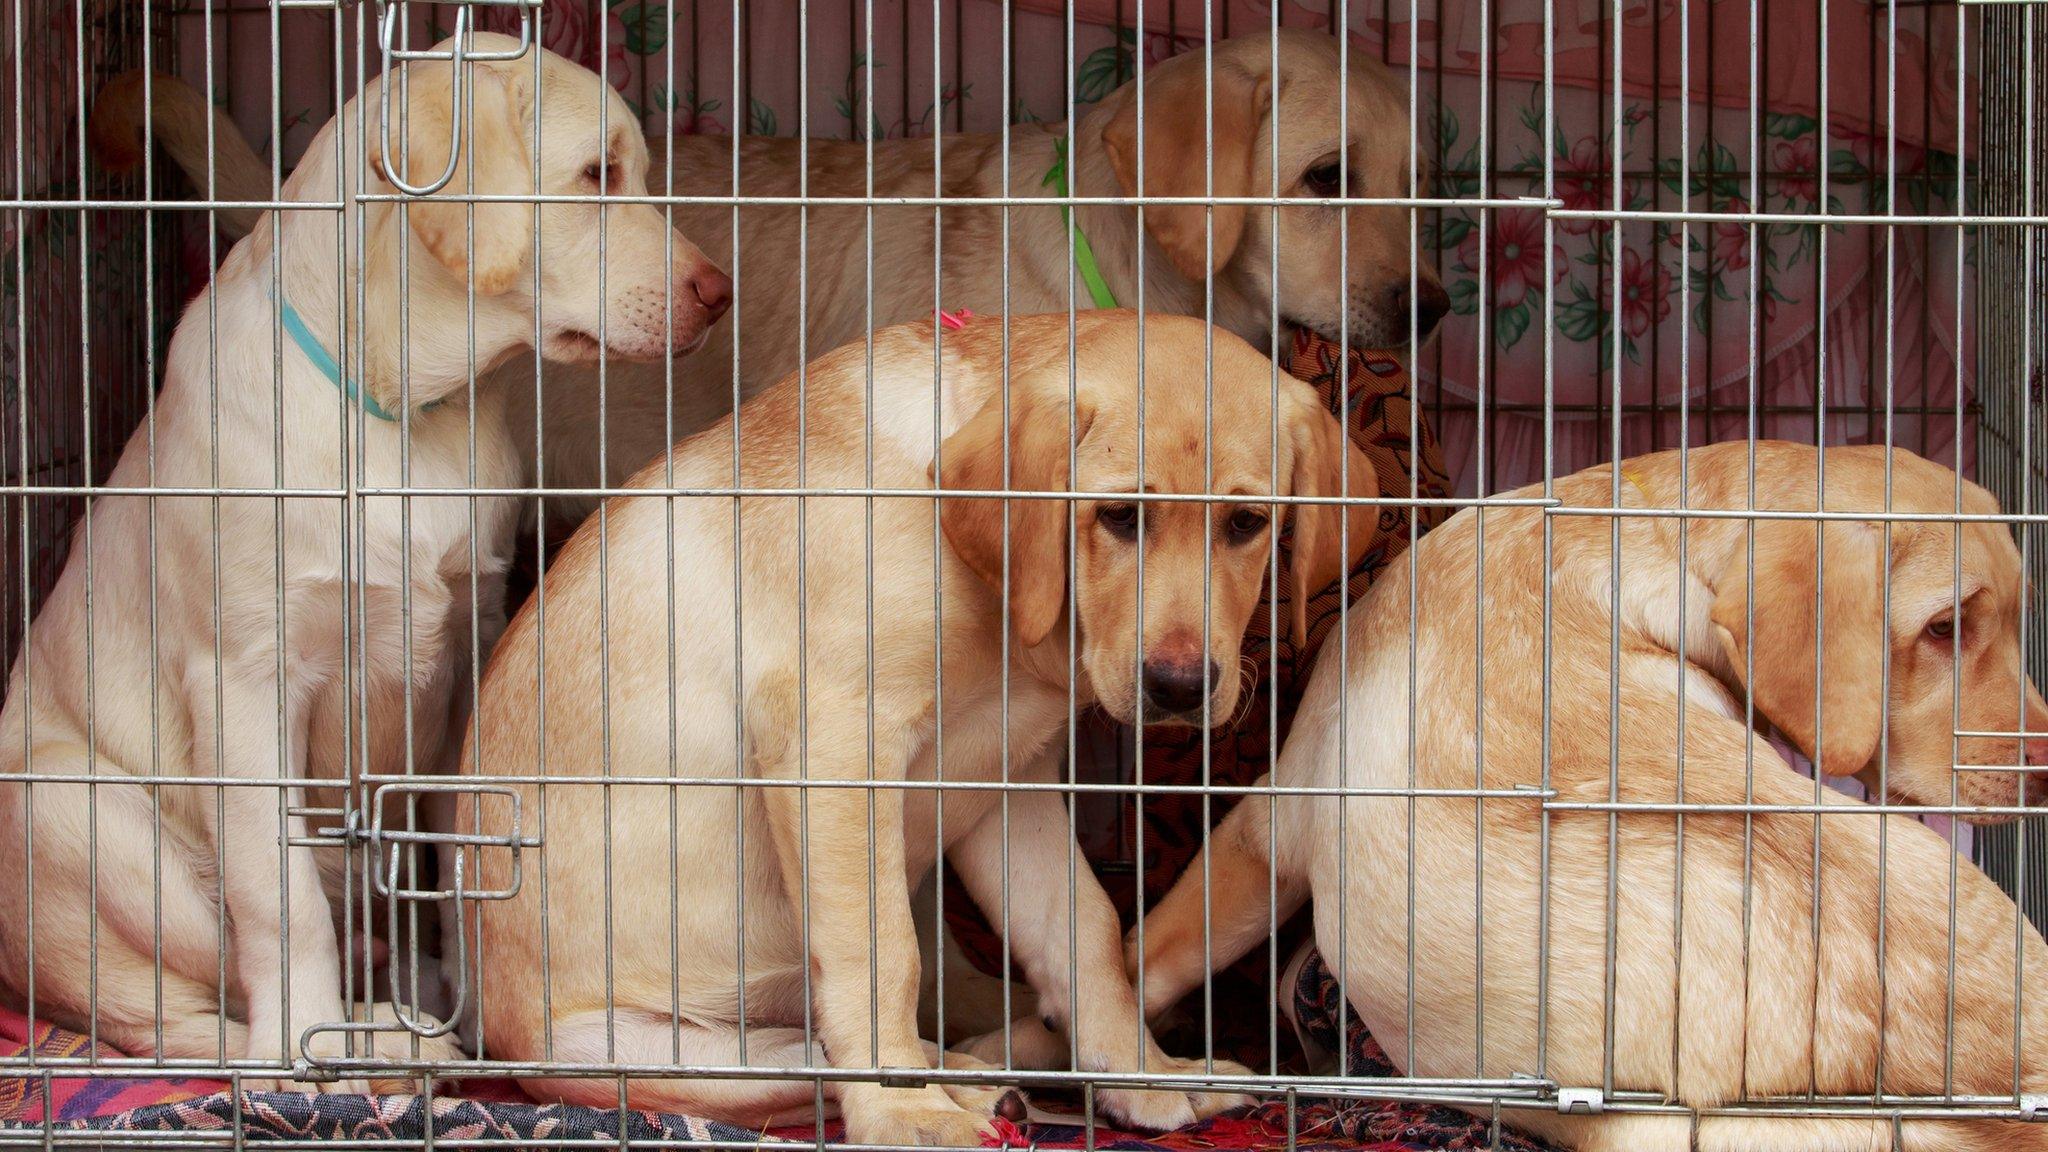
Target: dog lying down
(1778, 954)
(811, 688)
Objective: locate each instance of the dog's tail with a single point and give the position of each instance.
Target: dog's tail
(179, 115)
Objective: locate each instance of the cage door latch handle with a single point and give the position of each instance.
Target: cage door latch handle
(390, 38)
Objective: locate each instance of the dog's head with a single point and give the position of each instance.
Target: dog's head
(598, 278)
(1333, 262)
(1902, 675)
(1143, 571)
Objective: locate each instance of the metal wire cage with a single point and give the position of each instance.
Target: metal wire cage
(1656, 225)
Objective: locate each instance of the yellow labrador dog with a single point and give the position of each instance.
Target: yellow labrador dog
(1778, 959)
(238, 639)
(1275, 129)
(833, 677)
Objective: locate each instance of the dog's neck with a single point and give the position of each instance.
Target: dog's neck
(394, 364)
(1112, 232)
(1047, 663)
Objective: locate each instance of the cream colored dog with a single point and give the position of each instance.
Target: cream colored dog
(239, 639)
(629, 667)
(1780, 958)
(1342, 271)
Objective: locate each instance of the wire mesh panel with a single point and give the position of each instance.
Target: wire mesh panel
(2011, 347)
(929, 572)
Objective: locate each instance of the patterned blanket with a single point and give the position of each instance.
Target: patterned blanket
(495, 1110)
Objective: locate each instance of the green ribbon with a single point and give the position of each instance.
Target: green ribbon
(1084, 255)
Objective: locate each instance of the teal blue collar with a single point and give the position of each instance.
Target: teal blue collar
(309, 344)
(1084, 253)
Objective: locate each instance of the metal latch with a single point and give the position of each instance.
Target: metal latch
(1580, 1101)
(391, 39)
(2034, 1106)
(392, 846)
(387, 844)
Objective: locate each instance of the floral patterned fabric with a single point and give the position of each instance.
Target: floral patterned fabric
(185, 1104)
(1647, 316)
(496, 1111)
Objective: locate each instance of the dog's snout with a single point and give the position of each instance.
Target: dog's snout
(1178, 687)
(1427, 302)
(713, 290)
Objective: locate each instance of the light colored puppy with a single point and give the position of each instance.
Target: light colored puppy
(1780, 958)
(239, 639)
(1342, 271)
(629, 667)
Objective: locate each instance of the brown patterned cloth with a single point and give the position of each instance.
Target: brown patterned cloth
(1381, 412)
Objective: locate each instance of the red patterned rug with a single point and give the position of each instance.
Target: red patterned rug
(497, 1110)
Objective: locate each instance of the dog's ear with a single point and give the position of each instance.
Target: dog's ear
(493, 160)
(1039, 440)
(1785, 596)
(1326, 463)
(1178, 155)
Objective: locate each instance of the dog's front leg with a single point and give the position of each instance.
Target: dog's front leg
(1086, 989)
(281, 926)
(857, 892)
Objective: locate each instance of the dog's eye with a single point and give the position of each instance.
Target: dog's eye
(594, 172)
(1324, 179)
(1942, 628)
(1246, 523)
(1121, 520)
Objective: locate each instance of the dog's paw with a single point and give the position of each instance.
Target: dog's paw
(323, 1046)
(928, 1117)
(1029, 1045)
(1161, 1109)
(404, 1047)
(982, 1099)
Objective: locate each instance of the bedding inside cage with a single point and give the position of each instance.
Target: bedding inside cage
(497, 1110)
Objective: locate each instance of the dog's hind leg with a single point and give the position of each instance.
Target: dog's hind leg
(126, 928)
(635, 1036)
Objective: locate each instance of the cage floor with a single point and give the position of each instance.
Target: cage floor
(498, 1111)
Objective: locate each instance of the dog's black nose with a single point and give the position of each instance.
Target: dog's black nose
(1177, 688)
(1431, 304)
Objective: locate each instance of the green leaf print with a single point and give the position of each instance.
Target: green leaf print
(1104, 69)
(1581, 318)
(1464, 297)
(646, 26)
(1788, 126)
(1509, 324)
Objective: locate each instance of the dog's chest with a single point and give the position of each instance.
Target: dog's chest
(428, 579)
(970, 748)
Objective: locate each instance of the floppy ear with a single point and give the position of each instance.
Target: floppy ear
(1853, 640)
(1177, 156)
(493, 154)
(1038, 447)
(1326, 463)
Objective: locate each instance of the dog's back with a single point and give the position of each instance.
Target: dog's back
(1637, 930)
